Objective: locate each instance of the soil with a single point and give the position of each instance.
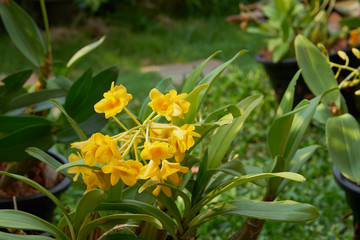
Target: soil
(41, 173)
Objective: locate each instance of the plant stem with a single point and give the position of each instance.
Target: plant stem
(250, 230)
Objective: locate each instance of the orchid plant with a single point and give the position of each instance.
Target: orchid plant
(162, 172)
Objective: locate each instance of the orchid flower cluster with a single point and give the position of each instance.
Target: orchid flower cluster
(150, 151)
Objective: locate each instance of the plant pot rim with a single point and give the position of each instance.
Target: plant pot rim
(345, 184)
(63, 184)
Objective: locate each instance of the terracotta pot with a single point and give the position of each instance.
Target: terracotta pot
(281, 73)
(39, 204)
(352, 194)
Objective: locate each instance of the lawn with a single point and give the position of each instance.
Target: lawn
(172, 40)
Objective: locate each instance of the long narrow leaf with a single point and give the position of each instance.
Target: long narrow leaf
(23, 31)
(10, 236)
(194, 76)
(74, 125)
(283, 211)
(46, 158)
(16, 219)
(47, 193)
(83, 51)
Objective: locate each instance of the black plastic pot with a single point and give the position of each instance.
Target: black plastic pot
(352, 194)
(39, 204)
(281, 73)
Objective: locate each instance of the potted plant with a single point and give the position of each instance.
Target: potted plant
(26, 114)
(282, 21)
(143, 177)
(341, 128)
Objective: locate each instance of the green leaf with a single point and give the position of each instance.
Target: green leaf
(29, 99)
(316, 71)
(287, 100)
(87, 91)
(22, 220)
(24, 32)
(343, 141)
(299, 126)
(12, 146)
(239, 181)
(280, 52)
(10, 124)
(114, 220)
(73, 124)
(46, 158)
(226, 134)
(78, 163)
(233, 109)
(46, 193)
(233, 167)
(138, 207)
(12, 85)
(193, 99)
(351, 22)
(215, 74)
(194, 76)
(86, 205)
(83, 51)
(283, 211)
(10, 236)
(301, 157)
(279, 131)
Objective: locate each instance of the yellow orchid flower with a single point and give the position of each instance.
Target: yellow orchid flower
(156, 151)
(114, 101)
(98, 149)
(169, 105)
(182, 140)
(128, 171)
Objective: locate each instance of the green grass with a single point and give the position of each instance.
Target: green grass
(173, 41)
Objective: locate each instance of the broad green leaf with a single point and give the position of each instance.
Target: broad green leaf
(215, 74)
(316, 71)
(343, 141)
(73, 124)
(22, 220)
(12, 146)
(299, 126)
(12, 85)
(233, 167)
(78, 163)
(10, 236)
(233, 109)
(279, 131)
(283, 211)
(46, 193)
(10, 124)
(350, 22)
(301, 157)
(46, 158)
(287, 100)
(29, 99)
(114, 220)
(93, 124)
(193, 99)
(169, 202)
(59, 82)
(241, 180)
(133, 206)
(83, 51)
(194, 76)
(24, 32)
(87, 91)
(226, 134)
(164, 85)
(86, 205)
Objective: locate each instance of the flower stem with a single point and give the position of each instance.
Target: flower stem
(118, 121)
